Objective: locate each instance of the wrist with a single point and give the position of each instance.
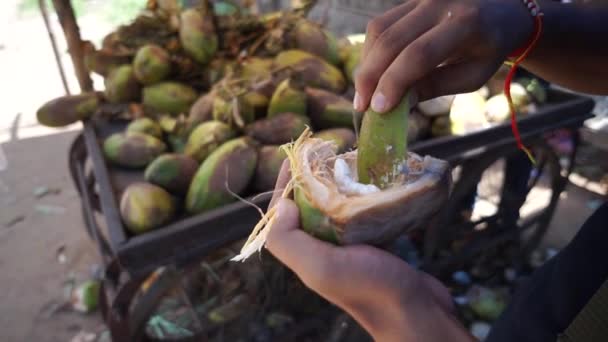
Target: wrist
(536, 15)
(419, 323)
(508, 24)
(411, 313)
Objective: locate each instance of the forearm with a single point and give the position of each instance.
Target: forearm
(428, 324)
(408, 316)
(573, 48)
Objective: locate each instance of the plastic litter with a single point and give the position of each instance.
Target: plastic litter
(49, 209)
(85, 297)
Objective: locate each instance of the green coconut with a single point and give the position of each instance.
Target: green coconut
(207, 137)
(227, 171)
(146, 126)
(172, 171)
(328, 110)
(311, 37)
(132, 149)
(169, 97)
(197, 35)
(312, 70)
(121, 85)
(152, 64)
(66, 110)
(287, 98)
(144, 207)
(270, 159)
(278, 129)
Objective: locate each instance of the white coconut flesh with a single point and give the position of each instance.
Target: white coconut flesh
(330, 181)
(347, 184)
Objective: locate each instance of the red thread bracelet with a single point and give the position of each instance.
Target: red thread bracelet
(520, 55)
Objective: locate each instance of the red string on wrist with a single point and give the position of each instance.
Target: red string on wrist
(519, 55)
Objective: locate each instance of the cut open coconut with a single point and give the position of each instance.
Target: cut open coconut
(334, 206)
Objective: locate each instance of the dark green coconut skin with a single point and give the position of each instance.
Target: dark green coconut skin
(66, 110)
(270, 160)
(144, 207)
(229, 168)
(169, 98)
(279, 129)
(314, 71)
(344, 138)
(313, 221)
(146, 126)
(197, 35)
(207, 137)
(151, 64)
(173, 172)
(121, 85)
(328, 110)
(287, 99)
(132, 150)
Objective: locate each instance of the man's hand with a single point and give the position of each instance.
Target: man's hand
(438, 47)
(391, 300)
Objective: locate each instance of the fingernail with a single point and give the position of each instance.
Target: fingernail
(357, 102)
(378, 102)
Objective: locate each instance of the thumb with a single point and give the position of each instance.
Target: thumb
(305, 255)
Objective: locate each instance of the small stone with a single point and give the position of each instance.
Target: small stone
(42, 191)
(50, 209)
(480, 330)
(14, 221)
(487, 303)
(550, 253)
(536, 259)
(461, 278)
(61, 257)
(510, 274)
(461, 300)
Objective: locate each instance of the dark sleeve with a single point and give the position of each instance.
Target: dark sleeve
(545, 305)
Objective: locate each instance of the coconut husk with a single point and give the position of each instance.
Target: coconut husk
(336, 208)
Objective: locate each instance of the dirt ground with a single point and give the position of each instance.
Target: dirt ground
(43, 246)
(33, 233)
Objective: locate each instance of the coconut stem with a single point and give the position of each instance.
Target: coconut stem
(382, 146)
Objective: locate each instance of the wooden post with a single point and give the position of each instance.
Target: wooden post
(49, 30)
(67, 19)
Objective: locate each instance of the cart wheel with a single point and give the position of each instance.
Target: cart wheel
(500, 202)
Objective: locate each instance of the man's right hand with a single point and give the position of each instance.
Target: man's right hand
(438, 47)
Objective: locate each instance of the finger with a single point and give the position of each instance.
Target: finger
(415, 61)
(307, 256)
(457, 78)
(282, 180)
(387, 46)
(377, 25)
